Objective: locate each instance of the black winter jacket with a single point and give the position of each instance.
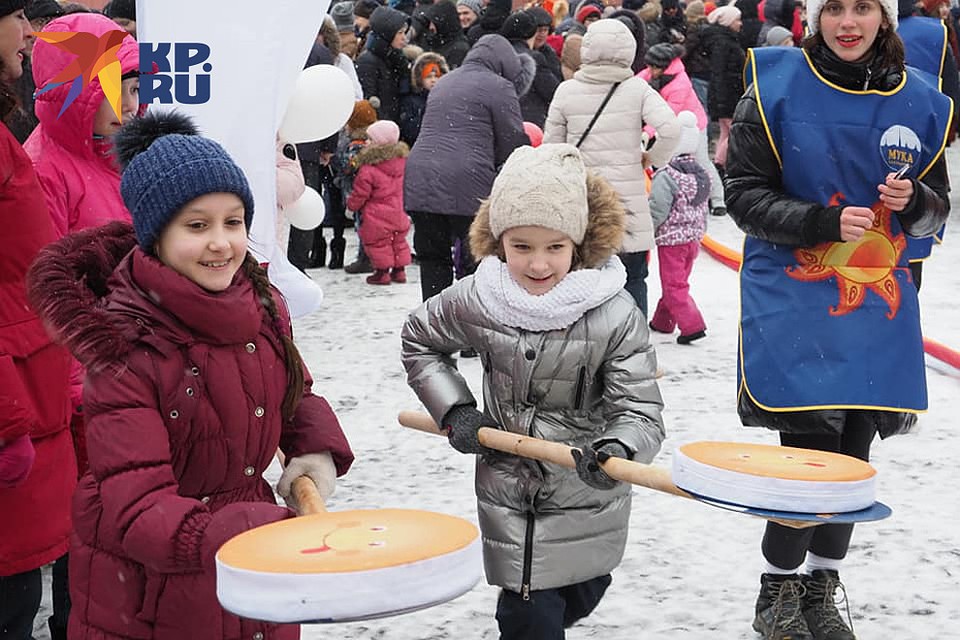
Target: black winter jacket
(383, 72)
(757, 203)
(726, 70)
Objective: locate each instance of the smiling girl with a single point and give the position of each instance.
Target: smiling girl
(193, 382)
(836, 153)
(566, 357)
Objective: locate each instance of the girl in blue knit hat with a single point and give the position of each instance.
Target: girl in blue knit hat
(193, 382)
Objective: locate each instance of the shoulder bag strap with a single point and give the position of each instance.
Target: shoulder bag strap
(597, 114)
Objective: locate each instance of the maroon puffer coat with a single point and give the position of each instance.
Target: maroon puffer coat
(182, 400)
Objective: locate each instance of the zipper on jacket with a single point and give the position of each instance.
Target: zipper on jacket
(527, 556)
(581, 380)
(866, 82)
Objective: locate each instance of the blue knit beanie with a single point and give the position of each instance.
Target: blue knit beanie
(166, 164)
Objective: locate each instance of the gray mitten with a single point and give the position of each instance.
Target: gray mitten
(461, 424)
(588, 462)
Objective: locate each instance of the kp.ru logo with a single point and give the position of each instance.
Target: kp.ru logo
(160, 81)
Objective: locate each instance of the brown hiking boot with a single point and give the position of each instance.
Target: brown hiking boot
(820, 606)
(779, 611)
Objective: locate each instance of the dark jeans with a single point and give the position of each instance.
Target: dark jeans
(20, 596)
(436, 239)
(549, 611)
(786, 547)
(636, 264)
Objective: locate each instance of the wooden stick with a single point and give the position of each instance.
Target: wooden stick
(307, 496)
(644, 475)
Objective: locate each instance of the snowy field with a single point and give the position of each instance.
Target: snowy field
(690, 571)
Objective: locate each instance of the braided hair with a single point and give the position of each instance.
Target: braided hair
(292, 359)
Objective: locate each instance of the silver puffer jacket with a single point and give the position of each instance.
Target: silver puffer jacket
(542, 527)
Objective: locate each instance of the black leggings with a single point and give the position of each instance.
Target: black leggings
(786, 547)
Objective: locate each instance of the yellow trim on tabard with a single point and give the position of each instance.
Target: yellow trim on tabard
(347, 541)
(744, 387)
(903, 82)
(784, 463)
(943, 56)
(943, 143)
(752, 59)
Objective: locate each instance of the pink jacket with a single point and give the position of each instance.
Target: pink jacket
(679, 92)
(78, 175)
(378, 190)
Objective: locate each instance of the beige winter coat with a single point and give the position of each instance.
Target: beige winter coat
(614, 148)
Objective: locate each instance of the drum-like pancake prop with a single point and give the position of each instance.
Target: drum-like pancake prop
(346, 565)
(708, 489)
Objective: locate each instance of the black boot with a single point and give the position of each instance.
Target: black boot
(337, 247)
(820, 606)
(779, 611)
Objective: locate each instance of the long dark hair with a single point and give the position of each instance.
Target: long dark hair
(888, 48)
(292, 359)
(8, 96)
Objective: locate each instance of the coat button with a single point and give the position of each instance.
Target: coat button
(205, 499)
(250, 347)
(258, 636)
(530, 354)
(249, 471)
(195, 371)
(258, 412)
(174, 414)
(189, 391)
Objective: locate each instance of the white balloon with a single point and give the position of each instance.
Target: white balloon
(321, 104)
(308, 210)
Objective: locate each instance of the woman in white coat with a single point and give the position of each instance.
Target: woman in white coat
(613, 146)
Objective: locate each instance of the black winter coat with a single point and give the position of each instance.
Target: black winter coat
(449, 39)
(534, 103)
(383, 72)
(757, 203)
(726, 70)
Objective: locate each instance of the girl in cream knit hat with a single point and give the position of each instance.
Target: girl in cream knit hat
(566, 358)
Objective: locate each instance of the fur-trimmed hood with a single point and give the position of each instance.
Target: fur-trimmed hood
(605, 227)
(379, 153)
(67, 285)
(495, 52)
(416, 69)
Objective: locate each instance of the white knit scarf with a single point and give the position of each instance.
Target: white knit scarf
(579, 291)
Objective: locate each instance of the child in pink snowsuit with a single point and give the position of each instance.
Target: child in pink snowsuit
(678, 206)
(378, 194)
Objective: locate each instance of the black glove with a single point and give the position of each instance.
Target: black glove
(461, 424)
(588, 462)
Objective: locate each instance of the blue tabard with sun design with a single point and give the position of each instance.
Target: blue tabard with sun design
(925, 43)
(836, 325)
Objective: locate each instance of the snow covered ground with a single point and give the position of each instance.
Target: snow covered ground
(690, 571)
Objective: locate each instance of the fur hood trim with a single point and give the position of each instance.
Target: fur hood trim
(605, 227)
(67, 284)
(331, 35)
(425, 58)
(528, 72)
(377, 153)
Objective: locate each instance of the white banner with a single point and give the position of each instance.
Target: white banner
(257, 50)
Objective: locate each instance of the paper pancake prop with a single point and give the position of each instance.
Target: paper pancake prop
(644, 475)
(774, 477)
(346, 565)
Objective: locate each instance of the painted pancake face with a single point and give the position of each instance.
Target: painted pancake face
(787, 463)
(347, 541)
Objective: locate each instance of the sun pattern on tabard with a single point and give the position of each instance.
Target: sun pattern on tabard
(870, 264)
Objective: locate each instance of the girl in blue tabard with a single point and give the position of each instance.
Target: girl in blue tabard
(830, 343)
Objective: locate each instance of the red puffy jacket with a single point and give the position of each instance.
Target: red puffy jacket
(182, 401)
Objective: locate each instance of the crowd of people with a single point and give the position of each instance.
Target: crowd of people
(539, 155)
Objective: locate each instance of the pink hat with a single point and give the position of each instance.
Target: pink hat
(383, 132)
